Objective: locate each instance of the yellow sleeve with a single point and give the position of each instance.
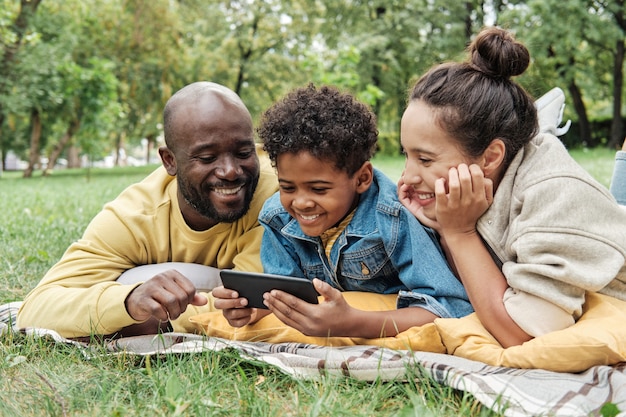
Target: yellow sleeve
(79, 296)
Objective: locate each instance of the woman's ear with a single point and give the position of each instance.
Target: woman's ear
(493, 157)
(168, 159)
(364, 177)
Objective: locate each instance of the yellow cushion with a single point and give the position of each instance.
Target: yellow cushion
(597, 338)
(270, 329)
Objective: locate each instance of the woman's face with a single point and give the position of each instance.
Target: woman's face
(430, 153)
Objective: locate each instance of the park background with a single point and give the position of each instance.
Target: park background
(80, 81)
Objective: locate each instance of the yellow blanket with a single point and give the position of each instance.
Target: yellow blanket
(598, 338)
(270, 329)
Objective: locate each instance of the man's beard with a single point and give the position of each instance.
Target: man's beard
(203, 205)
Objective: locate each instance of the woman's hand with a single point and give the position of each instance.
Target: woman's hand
(462, 199)
(408, 198)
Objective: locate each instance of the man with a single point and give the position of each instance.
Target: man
(206, 218)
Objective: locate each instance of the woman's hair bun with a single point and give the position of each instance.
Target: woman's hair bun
(496, 53)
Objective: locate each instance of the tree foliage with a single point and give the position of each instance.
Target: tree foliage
(97, 74)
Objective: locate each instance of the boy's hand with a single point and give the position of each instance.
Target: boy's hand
(325, 319)
(234, 307)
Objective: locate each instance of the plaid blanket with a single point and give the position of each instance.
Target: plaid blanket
(513, 392)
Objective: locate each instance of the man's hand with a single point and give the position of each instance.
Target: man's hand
(164, 297)
(234, 307)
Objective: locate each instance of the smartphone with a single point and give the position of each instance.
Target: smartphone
(253, 285)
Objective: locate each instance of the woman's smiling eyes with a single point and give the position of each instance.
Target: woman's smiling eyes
(417, 156)
(424, 160)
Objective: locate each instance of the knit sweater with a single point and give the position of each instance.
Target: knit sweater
(555, 231)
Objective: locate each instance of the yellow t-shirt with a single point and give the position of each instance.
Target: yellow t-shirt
(143, 225)
(330, 236)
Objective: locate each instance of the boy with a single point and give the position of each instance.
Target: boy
(338, 222)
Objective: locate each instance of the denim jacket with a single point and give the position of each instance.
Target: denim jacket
(384, 249)
(618, 181)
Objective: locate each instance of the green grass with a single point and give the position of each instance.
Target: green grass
(598, 162)
(40, 217)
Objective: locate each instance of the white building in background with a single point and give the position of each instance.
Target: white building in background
(13, 163)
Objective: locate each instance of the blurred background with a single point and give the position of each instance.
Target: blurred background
(84, 82)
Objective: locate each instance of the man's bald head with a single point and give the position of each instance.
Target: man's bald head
(194, 95)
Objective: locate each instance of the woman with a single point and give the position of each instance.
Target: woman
(527, 230)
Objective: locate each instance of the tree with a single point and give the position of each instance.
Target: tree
(12, 40)
(397, 41)
(35, 83)
(261, 47)
(615, 9)
(558, 50)
(96, 75)
(139, 40)
(89, 105)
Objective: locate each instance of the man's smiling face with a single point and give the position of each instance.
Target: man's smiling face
(217, 167)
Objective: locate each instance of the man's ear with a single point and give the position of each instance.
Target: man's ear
(168, 159)
(493, 157)
(364, 177)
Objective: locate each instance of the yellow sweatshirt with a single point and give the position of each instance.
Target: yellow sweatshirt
(79, 296)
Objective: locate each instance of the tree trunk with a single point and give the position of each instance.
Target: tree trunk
(151, 142)
(60, 146)
(119, 145)
(583, 120)
(245, 55)
(73, 157)
(27, 9)
(35, 141)
(469, 8)
(617, 126)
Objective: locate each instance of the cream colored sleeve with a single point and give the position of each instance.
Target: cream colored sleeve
(534, 315)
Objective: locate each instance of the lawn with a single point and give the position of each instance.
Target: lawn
(40, 217)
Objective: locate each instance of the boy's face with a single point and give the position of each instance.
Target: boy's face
(315, 192)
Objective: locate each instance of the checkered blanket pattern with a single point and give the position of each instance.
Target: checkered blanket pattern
(513, 392)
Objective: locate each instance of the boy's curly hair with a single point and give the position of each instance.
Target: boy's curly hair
(330, 125)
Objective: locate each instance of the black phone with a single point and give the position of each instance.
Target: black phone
(252, 286)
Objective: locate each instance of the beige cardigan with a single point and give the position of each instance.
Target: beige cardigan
(555, 231)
